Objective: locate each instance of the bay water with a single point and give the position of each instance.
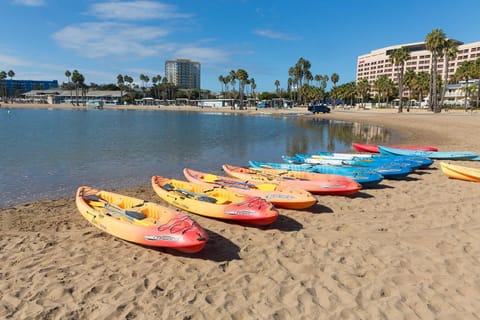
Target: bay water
(48, 154)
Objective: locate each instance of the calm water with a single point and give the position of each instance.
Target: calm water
(49, 153)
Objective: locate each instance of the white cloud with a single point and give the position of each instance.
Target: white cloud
(95, 40)
(10, 62)
(135, 10)
(274, 35)
(31, 3)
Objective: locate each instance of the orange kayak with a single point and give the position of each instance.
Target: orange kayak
(279, 195)
(140, 221)
(214, 201)
(317, 183)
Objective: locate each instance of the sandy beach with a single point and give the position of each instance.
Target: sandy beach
(407, 249)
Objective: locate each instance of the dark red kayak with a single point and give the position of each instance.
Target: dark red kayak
(373, 148)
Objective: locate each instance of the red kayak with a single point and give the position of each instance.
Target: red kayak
(373, 148)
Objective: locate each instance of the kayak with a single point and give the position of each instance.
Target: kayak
(460, 172)
(364, 176)
(414, 162)
(140, 221)
(444, 155)
(389, 170)
(214, 202)
(373, 148)
(316, 183)
(279, 195)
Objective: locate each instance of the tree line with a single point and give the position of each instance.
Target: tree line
(304, 87)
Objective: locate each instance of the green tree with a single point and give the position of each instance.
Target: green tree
(465, 72)
(435, 43)
(242, 77)
(398, 58)
(3, 76)
(77, 79)
(220, 79)
(421, 84)
(409, 81)
(277, 85)
(232, 76)
(450, 51)
(363, 87)
(334, 78)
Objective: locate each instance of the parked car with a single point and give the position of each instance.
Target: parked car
(317, 108)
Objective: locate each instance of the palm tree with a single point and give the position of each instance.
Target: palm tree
(11, 74)
(76, 79)
(253, 86)
(449, 52)
(121, 85)
(476, 74)
(435, 42)
(3, 76)
(408, 81)
(277, 84)
(362, 89)
(334, 78)
(220, 79)
(129, 80)
(232, 77)
(242, 76)
(465, 72)
(380, 86)
(68, 74)
(421, 84)
(398, 58)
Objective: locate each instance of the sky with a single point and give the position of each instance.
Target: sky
(41, 39)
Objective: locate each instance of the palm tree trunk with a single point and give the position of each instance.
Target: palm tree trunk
(466, 94)
(445, 80)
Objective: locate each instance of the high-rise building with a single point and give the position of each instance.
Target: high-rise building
(376, 63)
(184, 73)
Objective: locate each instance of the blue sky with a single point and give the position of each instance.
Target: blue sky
(41, 39)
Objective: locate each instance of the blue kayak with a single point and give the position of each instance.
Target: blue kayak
(443, 155)
(364, 176)
(413, 162)
(387, 170)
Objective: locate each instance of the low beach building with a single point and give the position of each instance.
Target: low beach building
(59, 96)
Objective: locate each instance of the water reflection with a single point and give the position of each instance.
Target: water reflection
(333, 135)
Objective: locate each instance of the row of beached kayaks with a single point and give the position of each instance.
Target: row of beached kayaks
(454, 171)
(250, 195)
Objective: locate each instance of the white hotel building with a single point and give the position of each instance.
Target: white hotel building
(376, 63)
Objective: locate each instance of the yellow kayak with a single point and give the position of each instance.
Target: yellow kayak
(214, 201)
(460, 172)
(281, 196)
(140, 221)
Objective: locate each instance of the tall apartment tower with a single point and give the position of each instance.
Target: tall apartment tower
(184, 73)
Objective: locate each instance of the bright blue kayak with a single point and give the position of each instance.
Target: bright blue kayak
(444, 155)
(413, 162)
(363, 176)
(387, 170)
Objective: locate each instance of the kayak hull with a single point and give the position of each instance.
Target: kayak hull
(157, 226)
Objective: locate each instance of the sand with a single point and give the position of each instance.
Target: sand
(408, 249)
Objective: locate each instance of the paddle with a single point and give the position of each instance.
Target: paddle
(132, 215)
(261, 186)
(201, 197)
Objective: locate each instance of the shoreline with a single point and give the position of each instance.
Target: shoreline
(406, 249)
